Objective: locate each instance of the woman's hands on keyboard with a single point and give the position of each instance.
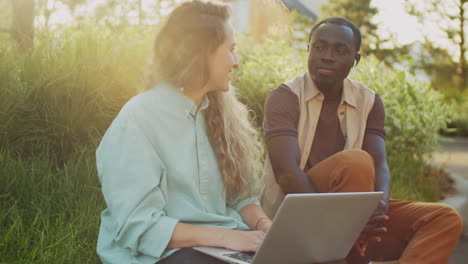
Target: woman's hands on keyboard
(247, 241)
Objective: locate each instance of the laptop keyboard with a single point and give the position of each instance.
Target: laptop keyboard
(244, 256)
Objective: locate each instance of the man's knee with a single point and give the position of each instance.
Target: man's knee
(358, 157)
(452, 218)
(445, 219)
(359, 162)
(356, 170)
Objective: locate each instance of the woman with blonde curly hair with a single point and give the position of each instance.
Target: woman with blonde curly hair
(180, 163)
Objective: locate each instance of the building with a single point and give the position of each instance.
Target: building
(258, 16)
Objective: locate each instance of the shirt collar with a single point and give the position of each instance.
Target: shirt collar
(311, 90)
(348, 96)
(204, 104)
(181, 102)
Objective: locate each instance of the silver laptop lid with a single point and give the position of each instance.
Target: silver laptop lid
(316, 227)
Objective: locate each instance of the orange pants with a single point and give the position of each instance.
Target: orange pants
(417, 233)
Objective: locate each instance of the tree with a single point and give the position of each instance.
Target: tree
(301, 26)
(360, 12)
(119, 13)
(23, 24)
(73, 4)
(451, 17)
(46, 8)
(18, 16)
(5, 16)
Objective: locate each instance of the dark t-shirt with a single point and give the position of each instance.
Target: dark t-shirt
(282, 118)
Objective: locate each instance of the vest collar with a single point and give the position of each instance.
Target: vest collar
(348, 96)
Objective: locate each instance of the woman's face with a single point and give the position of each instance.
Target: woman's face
(222, 61)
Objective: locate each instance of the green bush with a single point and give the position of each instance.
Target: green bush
(67, 90)
(262, 68)
(414, 112)
(458, 125)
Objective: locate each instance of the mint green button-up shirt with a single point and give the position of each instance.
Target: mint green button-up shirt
(157, 167)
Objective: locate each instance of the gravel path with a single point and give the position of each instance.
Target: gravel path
(454, 159)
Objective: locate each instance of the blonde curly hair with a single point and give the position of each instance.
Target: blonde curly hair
(187, 36)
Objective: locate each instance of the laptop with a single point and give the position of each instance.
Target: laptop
(309, 228)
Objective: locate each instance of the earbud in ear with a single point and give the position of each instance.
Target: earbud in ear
(355, 62)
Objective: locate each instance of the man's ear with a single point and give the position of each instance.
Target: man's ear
(357, 58)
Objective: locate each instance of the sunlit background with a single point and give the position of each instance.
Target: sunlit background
(68, 66)
(392, 18)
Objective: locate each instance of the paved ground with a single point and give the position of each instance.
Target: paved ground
(454, 159)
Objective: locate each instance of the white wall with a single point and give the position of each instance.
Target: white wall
(314, 5)
(240, 12)
(240, 15)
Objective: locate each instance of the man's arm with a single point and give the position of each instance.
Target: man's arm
(280, 125)
(284, 154)
(375, 146)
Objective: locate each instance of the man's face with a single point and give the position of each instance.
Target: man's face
(332, 51)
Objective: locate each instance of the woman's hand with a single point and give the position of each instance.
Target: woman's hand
(264, 225)
(247, 241)
(254, 216)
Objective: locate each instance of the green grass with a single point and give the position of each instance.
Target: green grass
(49, 215)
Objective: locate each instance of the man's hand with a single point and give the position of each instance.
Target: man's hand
(374, 229)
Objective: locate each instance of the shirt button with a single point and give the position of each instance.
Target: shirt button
(341, 113)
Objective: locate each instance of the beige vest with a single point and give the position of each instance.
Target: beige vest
(356, 103)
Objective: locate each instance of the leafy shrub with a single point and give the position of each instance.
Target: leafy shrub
(414, 115)
(67, 90)
(262, 68)
(458, 125)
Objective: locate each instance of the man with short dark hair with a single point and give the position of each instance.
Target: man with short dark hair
(325, 133)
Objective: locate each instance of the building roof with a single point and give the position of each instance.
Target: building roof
(301, 8)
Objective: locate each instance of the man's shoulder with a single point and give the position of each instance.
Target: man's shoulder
(359, 95)
(356, 85)
(297, 83)
(282, 90)
(282, 94)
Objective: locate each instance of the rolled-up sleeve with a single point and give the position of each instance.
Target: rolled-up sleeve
(241, 203)
(281, 113)
(132, 175)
